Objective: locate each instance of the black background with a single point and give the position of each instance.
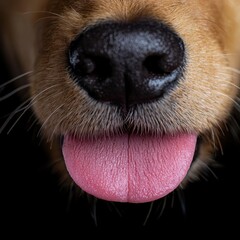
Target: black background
(33, 204)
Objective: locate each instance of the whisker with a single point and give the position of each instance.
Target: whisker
(173, 199)
(213, 139)
(181, 198)
(93, 206)
(164, 204)
(47, 119)
(51, 165)
(219, 143)
(230, 84)
(234, 101)
(18, 119)
(234, 85)
(94, 212)
(115, 208)
(15, 79)
(230, 98)
(29, 103)
(70, 196)
(233, 70)
(48, 12)
(148, 214)
(233, 127)
(210, 170)
(14, 92)
(43, 19)
(57, 125)
(34, 122)
(18, 109)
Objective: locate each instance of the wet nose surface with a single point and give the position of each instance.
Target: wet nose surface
(127, 63)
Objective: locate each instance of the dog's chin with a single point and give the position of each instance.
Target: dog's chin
(129, 167)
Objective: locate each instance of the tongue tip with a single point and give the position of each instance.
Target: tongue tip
(103, 169)
(120, 197)
(134, 200)
(124, 197)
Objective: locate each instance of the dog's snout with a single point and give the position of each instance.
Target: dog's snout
(127, 63)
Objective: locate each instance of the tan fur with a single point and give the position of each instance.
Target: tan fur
(202, 102)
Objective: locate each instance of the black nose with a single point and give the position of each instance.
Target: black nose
(127, 63)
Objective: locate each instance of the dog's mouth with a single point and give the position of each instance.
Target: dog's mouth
(129, 167)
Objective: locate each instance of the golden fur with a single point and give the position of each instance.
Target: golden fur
(37, 35)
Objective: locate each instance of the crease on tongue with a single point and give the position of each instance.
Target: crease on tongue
(129, 168)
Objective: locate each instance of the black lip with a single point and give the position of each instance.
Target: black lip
(61, 140)
(196, 153)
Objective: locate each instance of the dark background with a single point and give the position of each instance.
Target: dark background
(33, 204)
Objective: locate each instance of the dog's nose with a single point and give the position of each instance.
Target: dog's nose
(127, 63)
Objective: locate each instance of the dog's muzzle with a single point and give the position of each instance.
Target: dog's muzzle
(126, 65)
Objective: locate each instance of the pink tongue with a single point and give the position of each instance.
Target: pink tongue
(129, 168)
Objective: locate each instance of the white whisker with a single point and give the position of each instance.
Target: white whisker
(233, 70)
(47, 119)
(17, 110)
(15, 79)
(57, 126)
(148, 214)
(233, 100)
(164, 204)
(20, 108)
(51, 13)
(34, 121)
(18, 119)
(19, 89)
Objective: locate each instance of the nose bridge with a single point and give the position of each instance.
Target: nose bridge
(125, 10)
(128, 45)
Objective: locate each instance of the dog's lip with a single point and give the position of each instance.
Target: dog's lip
(129, 168)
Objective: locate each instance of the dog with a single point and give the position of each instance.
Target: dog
(135, 97)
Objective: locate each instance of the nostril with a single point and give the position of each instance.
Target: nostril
(82, 67)
(94, 67)
(159, 65)
(156, 65)
(88, 66)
